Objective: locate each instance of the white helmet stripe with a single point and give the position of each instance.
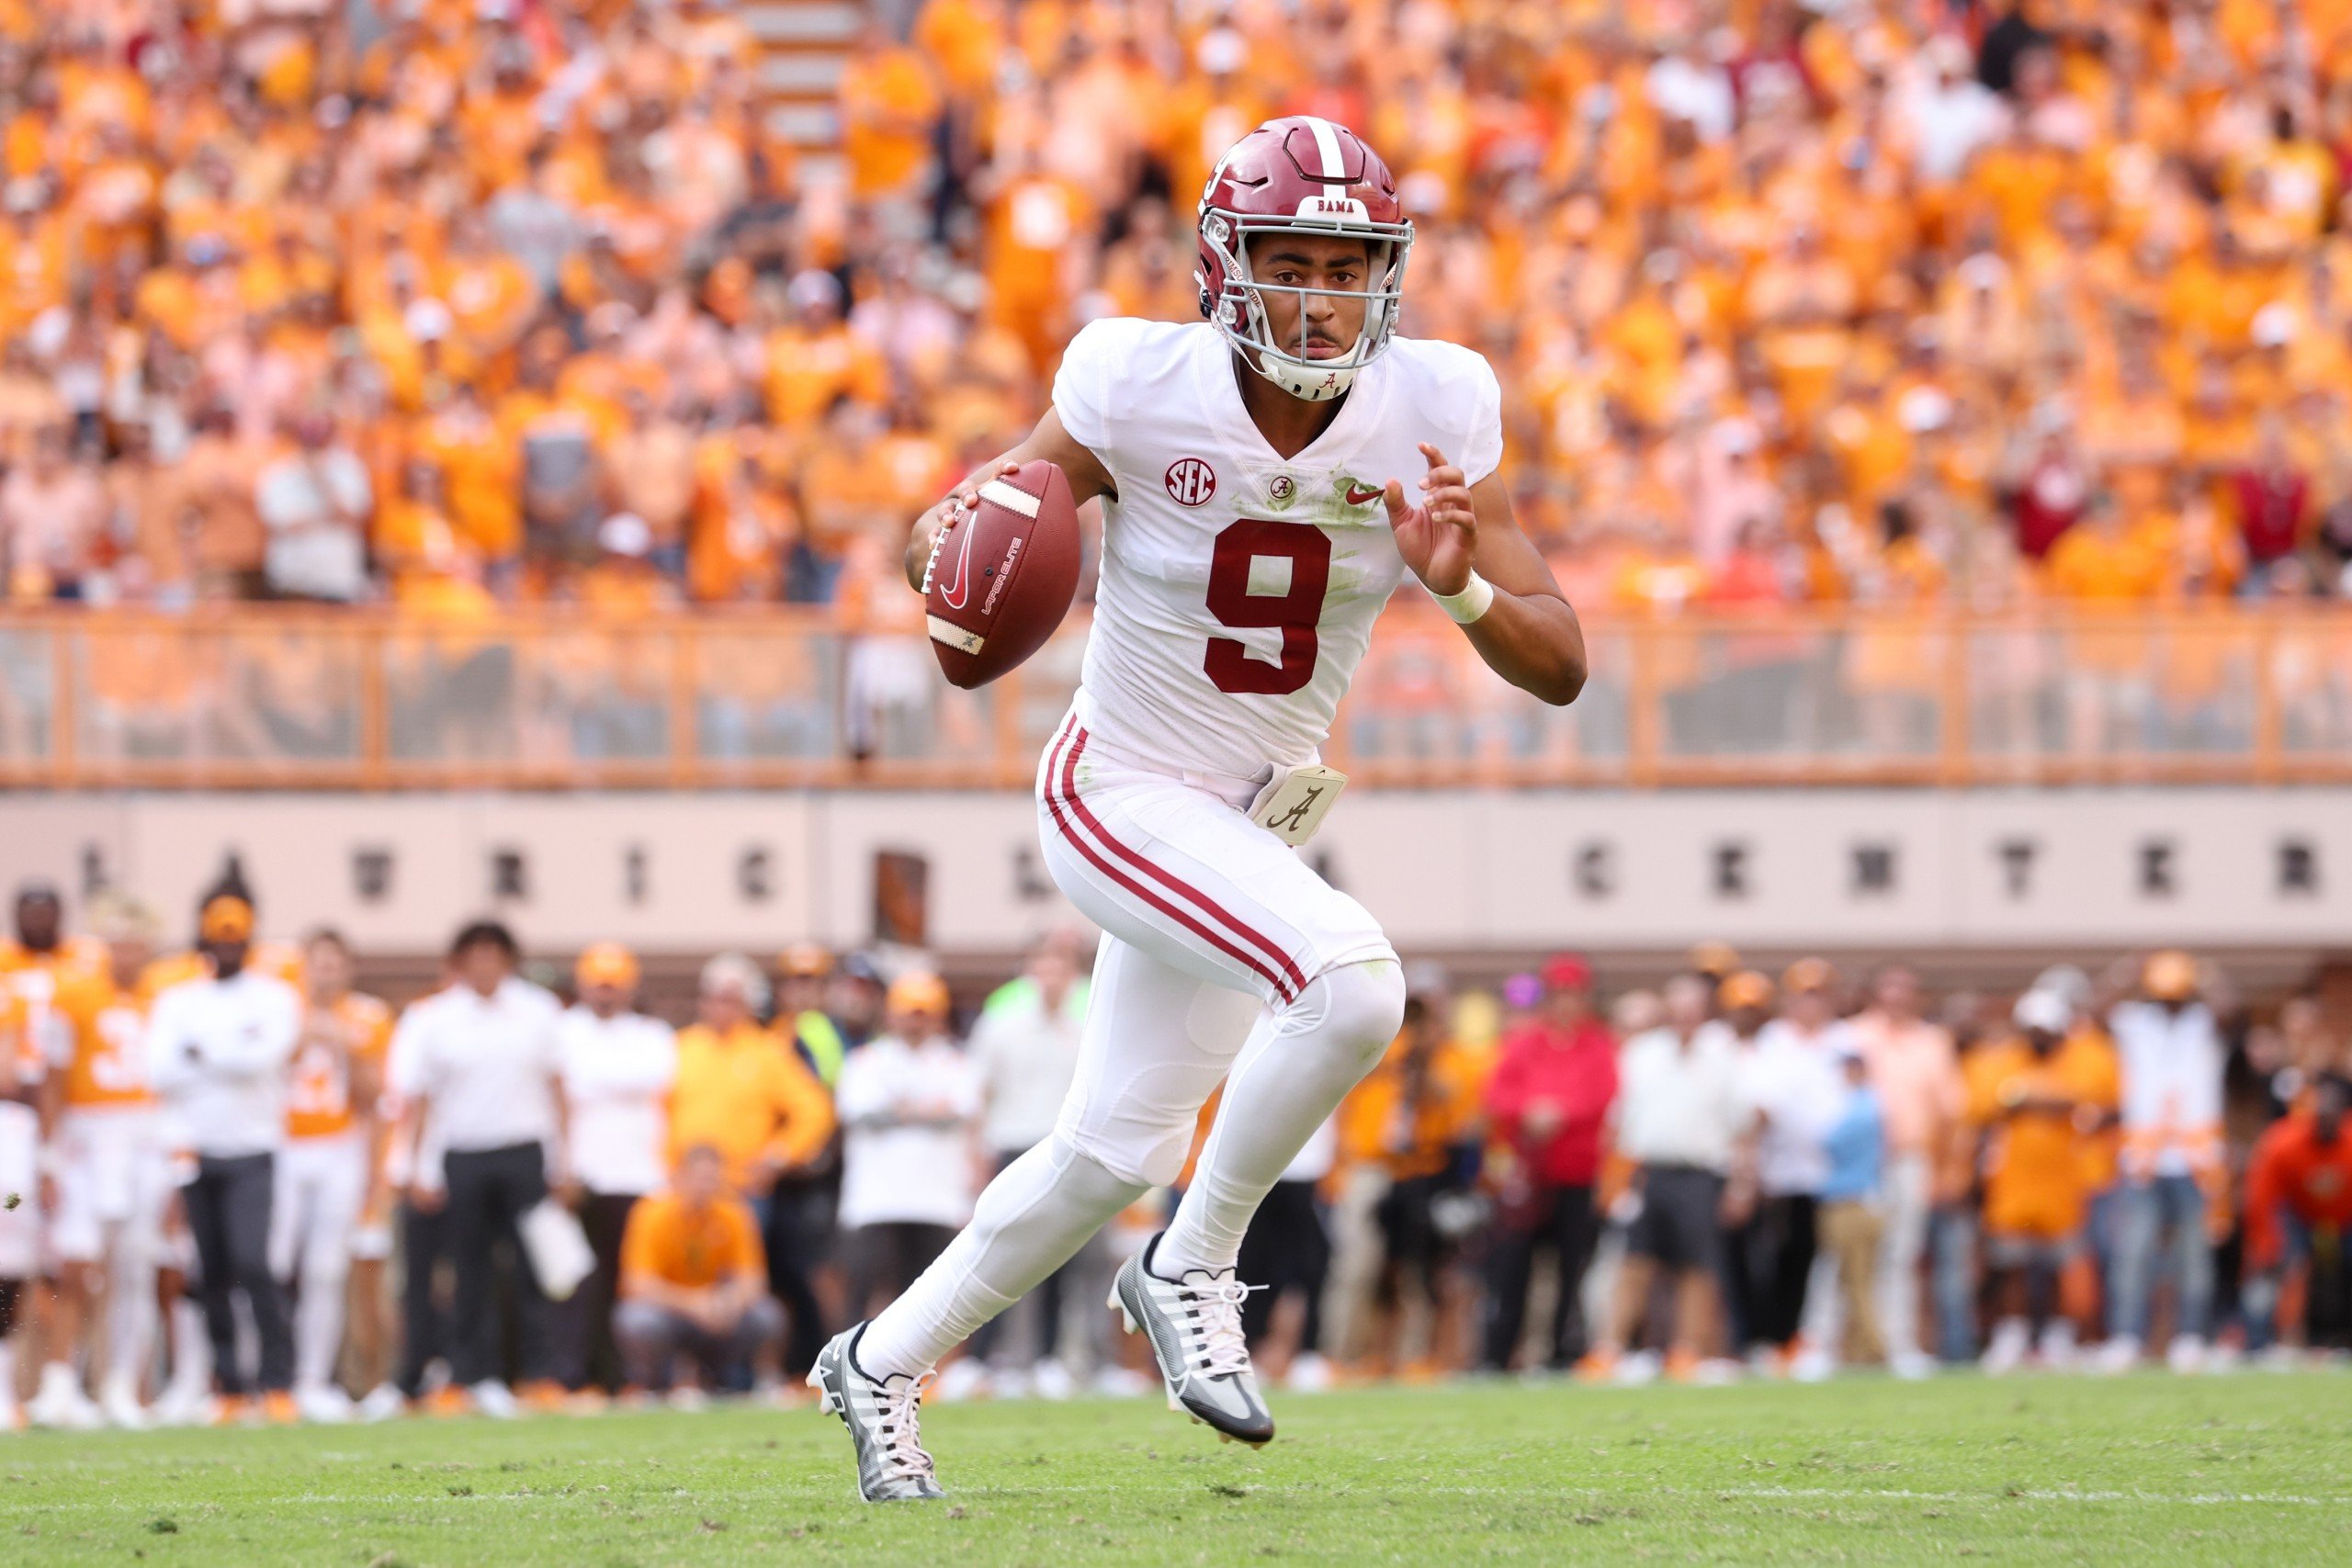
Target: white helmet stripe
(1326, 144)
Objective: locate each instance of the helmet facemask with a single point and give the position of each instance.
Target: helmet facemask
(1238, 309)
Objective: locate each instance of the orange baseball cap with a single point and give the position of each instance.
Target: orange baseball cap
(2170, 975)
(805, 961)
(919, 990)
(225, 918)
(1809, 974)
(607, 964)
(1747, 988)
(1715, 959)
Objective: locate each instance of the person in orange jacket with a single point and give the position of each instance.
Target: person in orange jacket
(2299, 1211)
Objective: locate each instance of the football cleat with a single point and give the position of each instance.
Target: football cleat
(882, 1416)
(1194, 1325)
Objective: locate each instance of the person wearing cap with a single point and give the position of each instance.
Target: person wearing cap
(2032, 1099)
(109, 1186)
(1684, 1121)
(1713, 961)
(801, 1223)
(1546, 1105)
(1799, 1092)
(740, 1089)
(619, 1066)
(1917, 1074)
(1414, 1120)
(1024, 1051)
(854, 999)
(803, 971)
(693, 1284)
(477, 1068)
(333, 1145)
(217, 1050)
(910, 1102)
(2298, 1214)
(1852, 1219)
(2173, 1055)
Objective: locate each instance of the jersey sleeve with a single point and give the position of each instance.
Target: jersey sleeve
(1083, 386)
(1482, 443)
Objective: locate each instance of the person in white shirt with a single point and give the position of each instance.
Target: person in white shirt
(478, 1070)
(2170, 1050)
(618, 1066)
(1799, 1091)
(1024, 1051)
(1683, 1118)
(909, 1102)
(217, 1050)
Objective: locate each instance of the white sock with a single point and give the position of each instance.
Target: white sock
(7, 1378)
(1295, 1069)
(191, 1348)
(1032, 1219)
(318, 1321)
(131, 1315)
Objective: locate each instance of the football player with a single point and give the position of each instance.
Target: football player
(1269, 477)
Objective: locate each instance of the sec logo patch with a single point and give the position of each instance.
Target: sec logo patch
(1190, 481)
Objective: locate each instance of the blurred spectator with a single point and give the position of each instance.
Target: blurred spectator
(1550, 1096)
(478, 1067)
(740, 1089)
(1683, 1119)
(802, 972)
(2035, 1100)
(1412, 1119)
(1854, 1221)
(1796, 1091)
(2173, 1059)
(334, 1143)
(52, 519)
(217, 1050)
(1917, 1081)
(1287, 1248)
(2298, 1209)
(693, 1283)
(1023, 1052)
(802, 1270)
(618, 1069)
(315, 501)
(908, 1102)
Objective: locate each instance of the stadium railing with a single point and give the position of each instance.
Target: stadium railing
(292, 697)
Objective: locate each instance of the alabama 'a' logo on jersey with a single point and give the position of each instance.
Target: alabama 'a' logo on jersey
(1190, 481)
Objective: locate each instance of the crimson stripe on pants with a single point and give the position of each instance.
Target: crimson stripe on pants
(1054, 803)
(1267, 946)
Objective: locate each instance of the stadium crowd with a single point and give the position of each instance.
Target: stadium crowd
(238, 1189)
(451, 304)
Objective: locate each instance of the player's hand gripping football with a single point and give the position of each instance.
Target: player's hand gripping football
(1438, 537)
(949, 511)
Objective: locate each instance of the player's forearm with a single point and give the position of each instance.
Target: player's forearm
(1534, 642)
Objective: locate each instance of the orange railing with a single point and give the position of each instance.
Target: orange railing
(279, 697)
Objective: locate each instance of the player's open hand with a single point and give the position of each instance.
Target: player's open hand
(1439, 537)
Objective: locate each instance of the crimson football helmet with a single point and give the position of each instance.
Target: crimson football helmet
(1300, 174)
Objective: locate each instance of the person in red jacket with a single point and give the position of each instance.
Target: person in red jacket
(1545, 1108)
(2299, 1208)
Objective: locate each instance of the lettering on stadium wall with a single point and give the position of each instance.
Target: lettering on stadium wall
(1850, 868)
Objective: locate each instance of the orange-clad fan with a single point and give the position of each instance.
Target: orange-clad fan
(2035, 1100)
(2299, 1214)
(109, 1179)
(741, 1089)
(320, 1223)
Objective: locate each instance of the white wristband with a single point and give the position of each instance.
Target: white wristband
(1477, 596)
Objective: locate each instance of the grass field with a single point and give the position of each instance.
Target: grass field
(2235, 1470)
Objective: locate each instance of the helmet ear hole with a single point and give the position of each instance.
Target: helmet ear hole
(1204, 303)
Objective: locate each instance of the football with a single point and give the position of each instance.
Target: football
(1000, 581)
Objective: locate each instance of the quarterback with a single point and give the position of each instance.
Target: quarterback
(1254, 471)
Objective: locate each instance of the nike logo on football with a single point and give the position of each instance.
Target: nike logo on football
(1359, 495)
(959, 587)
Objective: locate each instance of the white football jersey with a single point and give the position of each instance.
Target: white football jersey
(1239, 588)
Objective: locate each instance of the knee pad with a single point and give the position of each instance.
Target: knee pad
(1358, 1006)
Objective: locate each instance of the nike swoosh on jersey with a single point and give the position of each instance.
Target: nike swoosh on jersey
(1367, 497)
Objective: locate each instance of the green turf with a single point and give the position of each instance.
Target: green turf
(2245, 1468)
